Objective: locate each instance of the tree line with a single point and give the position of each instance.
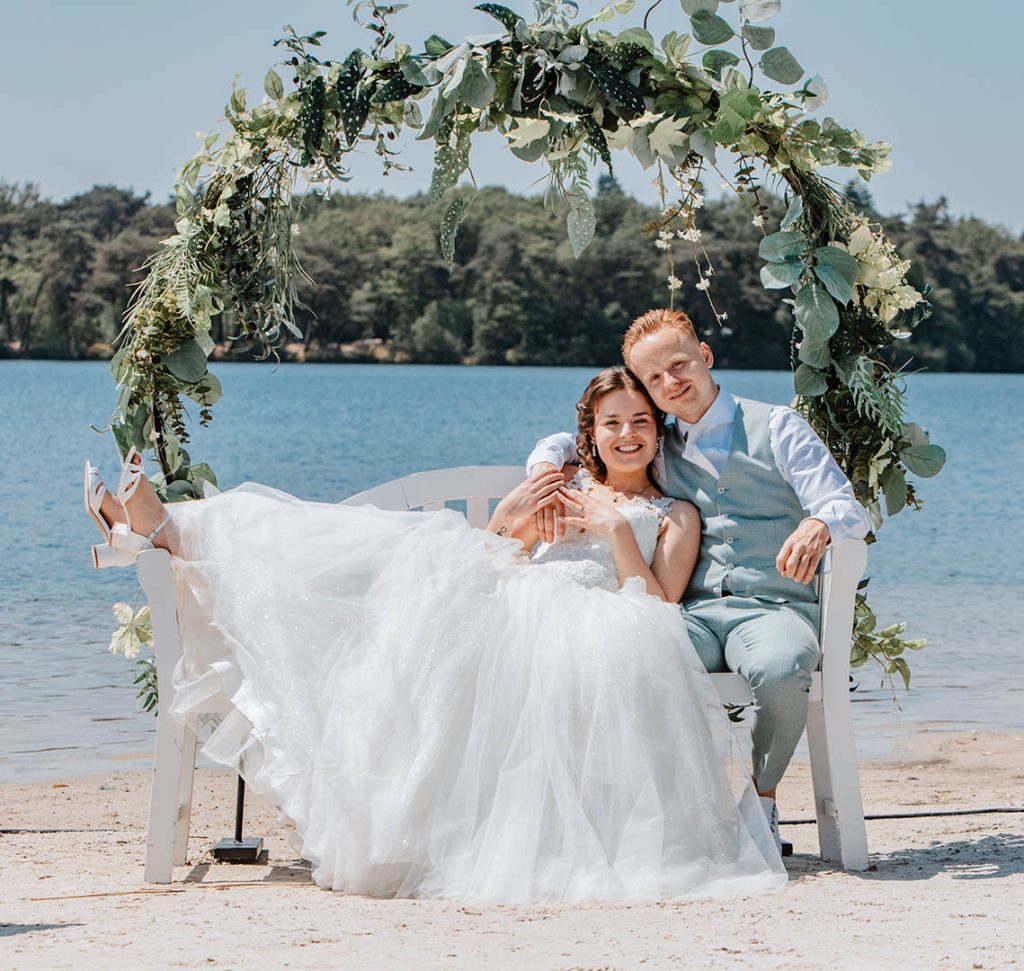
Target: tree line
(381, 290)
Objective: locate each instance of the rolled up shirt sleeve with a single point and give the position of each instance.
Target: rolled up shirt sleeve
(557, 450)
(805, 462)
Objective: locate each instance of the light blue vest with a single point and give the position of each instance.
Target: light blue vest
(746, 514)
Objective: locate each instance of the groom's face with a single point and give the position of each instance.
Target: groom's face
(676, 370)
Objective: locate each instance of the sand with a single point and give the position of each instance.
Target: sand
(944, 892)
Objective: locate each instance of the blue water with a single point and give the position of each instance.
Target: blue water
(951, 571)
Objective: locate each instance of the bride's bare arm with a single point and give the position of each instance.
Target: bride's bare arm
(677, 550)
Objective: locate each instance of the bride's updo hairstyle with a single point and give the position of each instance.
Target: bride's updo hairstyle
(604, 382)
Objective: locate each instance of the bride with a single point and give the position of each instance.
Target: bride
(443, 714)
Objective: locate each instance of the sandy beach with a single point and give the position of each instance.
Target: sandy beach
(943, 892)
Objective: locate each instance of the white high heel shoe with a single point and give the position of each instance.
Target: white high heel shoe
(122, 537)
(103, 555)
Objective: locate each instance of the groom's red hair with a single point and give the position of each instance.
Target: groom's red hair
(653, 321)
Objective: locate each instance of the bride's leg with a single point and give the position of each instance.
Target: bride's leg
(146, 511)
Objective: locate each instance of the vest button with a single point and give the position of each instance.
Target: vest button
(721, 490)
(730, 539)
(730, 566)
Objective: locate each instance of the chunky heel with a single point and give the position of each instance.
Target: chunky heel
(104, 556)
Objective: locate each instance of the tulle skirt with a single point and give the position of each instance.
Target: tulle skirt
(440, 718)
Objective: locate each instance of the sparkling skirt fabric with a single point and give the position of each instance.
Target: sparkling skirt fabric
(439, 718)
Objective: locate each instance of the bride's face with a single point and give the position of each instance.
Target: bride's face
(625, 433)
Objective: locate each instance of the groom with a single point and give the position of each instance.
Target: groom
(771, 499)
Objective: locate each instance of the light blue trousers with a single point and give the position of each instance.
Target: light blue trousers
(775, 647)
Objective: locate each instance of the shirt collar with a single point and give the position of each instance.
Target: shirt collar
(722, 411)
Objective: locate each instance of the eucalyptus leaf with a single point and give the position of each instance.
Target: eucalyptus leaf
(760, 38)
(837, 269)
(207, 391)
(187, 363)
(436, 45)
(745, 102)
(757, 10)
(181, 489)
(703, 144)
(636, 35)
(581, 222)
(781, 66)
(709, 28)
(272, 85)
(816, 313)
(413, 73)
(477, 86)
(793, 213)
(809, 381)
(202, 471)
(690, 7)
(894, 485)
(716, 59)
(443, 106)
(118, 367)
(814, 353)
(729, 127)
(776, 276)
(779, 247)
(914, 434)
(924, 460)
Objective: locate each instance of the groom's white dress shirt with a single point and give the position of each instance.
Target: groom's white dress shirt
(801, 457)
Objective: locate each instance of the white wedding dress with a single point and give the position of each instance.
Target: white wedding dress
(441, 716)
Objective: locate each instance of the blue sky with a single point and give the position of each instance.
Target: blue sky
(113, 91)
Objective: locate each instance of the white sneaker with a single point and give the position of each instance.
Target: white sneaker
(771, 812)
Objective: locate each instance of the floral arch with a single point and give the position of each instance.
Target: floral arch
(567, 93)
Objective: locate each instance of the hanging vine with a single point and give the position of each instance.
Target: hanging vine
(567, 93)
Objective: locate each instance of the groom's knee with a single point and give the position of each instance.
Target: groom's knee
(709, 648)
(776, 653)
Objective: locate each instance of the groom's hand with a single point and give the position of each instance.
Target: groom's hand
(802, 552)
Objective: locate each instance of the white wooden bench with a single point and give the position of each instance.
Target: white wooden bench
(837, 798)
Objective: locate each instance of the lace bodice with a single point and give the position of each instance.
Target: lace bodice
(587, 558)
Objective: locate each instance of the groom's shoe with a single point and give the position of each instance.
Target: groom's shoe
(771, 812)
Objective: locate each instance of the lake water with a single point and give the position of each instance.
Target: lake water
(67, 707)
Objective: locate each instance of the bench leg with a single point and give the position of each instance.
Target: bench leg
(164, 807)
(184, 801)
(837, 800)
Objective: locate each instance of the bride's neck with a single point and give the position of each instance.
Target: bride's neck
(627, 482)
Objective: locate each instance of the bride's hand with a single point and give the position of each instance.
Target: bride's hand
(593, 512)
(516, 510)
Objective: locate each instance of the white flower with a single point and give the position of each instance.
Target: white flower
(860, 239)
(690, 235)
(662, 243)
(722, 317)
(819, 93)
(674, 283)
(696, 201)
(758, 220)
(703, 283)
(295, 229)
(665, 234)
